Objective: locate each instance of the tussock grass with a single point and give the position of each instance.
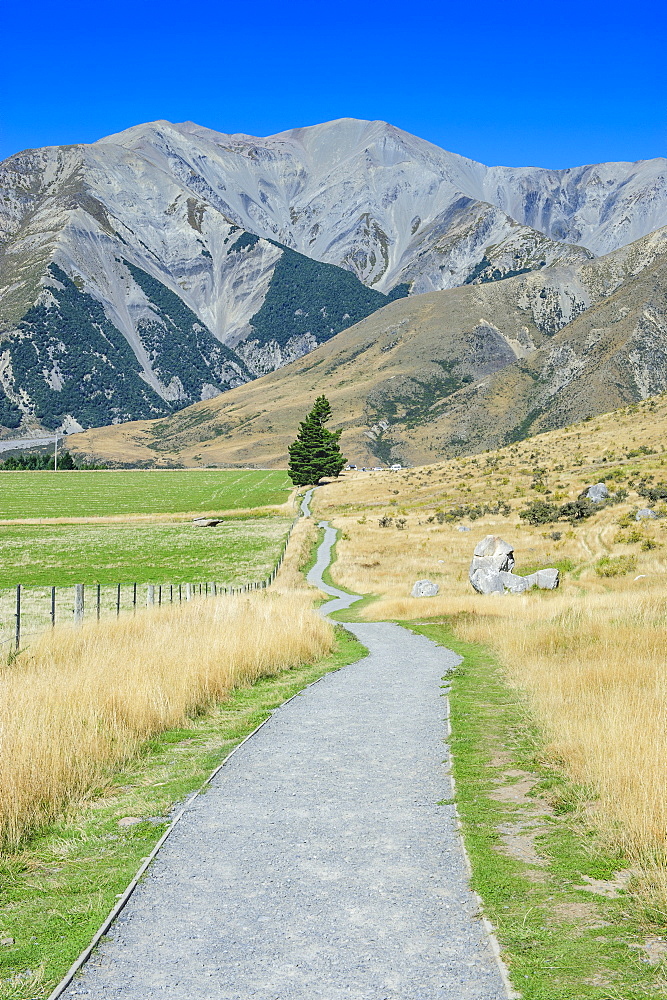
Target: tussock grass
(78, 701)
(590, 657)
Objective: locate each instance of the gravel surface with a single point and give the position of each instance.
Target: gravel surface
(319, 866)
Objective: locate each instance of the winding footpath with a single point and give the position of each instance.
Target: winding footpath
(319, 865)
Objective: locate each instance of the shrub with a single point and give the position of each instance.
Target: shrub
(577, 510)
(652, 493)
(628, 519)
(615, 565)
(540, 512)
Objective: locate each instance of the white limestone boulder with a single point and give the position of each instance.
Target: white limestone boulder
(491, 570)
(597, 493)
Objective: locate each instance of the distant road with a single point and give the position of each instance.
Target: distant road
(26, 443)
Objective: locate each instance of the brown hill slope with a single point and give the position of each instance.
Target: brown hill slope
(461, 370)
(613, 354)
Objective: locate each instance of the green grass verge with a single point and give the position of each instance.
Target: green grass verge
(118, 491)
(347, 614)
(56, 892)
(238, 551)
(532, 845)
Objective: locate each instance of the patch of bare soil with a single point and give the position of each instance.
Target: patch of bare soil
(516, 791)
(584, 915)
(518, 841)
(654, 948)
(611, 888)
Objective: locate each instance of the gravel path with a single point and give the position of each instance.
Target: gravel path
(319, 865)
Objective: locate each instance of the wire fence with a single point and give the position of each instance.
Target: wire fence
(26, 611)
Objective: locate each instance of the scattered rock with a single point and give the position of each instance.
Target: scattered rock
(487, 581)
(462, 527)
(514, 583)
(492, 556)
(645, 513)
(130, 821)
(491, 570)
(6, 941)
(545, 579)
(424, 588)
(206, 522)
(654, 948)
(597, 493)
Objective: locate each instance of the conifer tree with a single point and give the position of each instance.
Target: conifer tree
(316, 451)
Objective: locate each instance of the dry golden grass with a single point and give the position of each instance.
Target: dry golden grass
(79, 700)
(590, 657)
(290, 578)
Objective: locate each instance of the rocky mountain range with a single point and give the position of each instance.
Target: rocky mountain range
(170, 263)
(444, 373)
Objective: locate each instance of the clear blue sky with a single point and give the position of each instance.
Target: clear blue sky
(547, 84)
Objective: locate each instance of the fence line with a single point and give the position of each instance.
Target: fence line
(156, 595)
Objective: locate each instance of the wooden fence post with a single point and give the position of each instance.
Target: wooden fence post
(150, 594)
(53, 607)
(118, 601)
(78, 603)
(98, 601)
(188, 591)
(18, 616)
(159, 595)
(134, 597)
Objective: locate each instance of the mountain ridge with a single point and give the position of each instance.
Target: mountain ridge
(213, 219)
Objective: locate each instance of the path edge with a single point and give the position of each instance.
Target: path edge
(489, 929)
(79, 962)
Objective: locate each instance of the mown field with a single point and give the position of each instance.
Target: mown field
(115, 527)
(240, 549)
(125, 492)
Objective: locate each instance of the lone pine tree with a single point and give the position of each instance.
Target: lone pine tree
(316, 451)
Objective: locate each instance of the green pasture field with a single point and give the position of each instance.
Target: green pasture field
(40, 556)
(111, 492)
(238, 550)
